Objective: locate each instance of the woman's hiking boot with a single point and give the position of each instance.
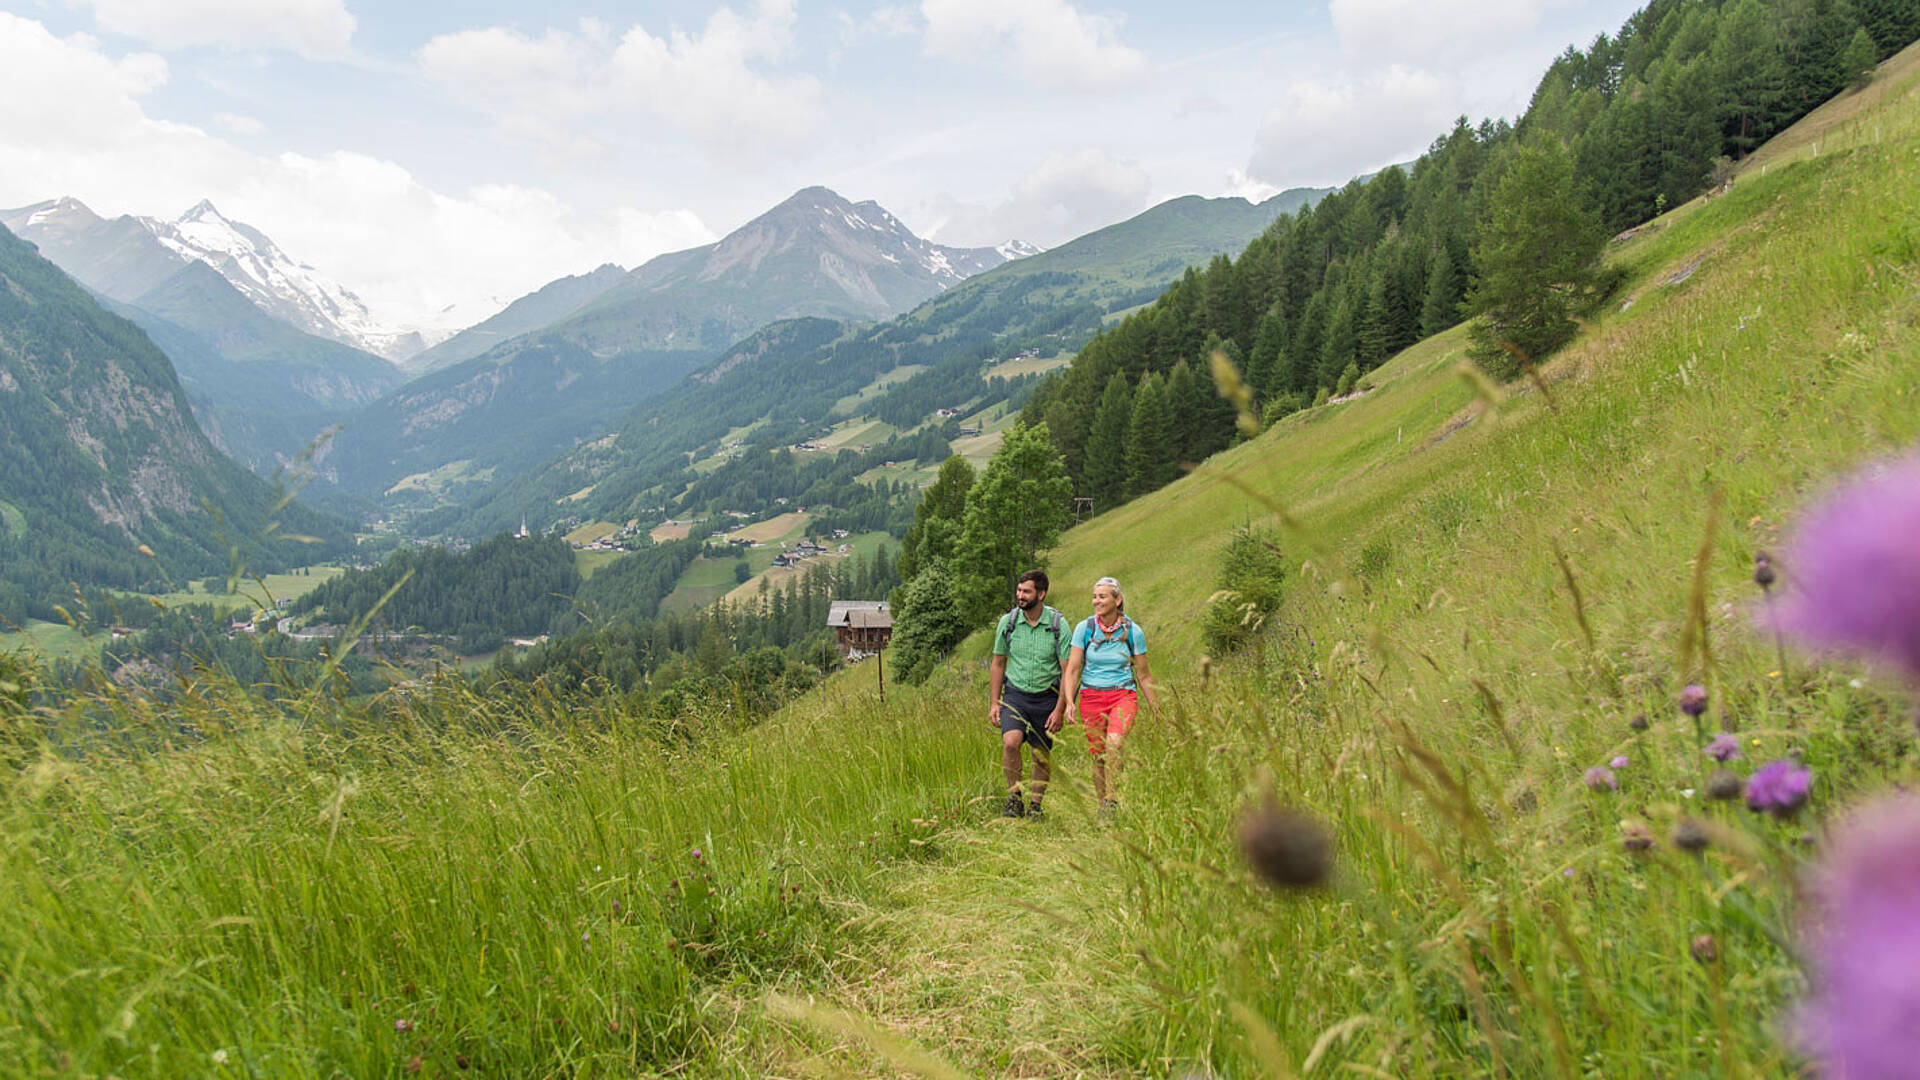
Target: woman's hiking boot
(1035, 812)
(1015, 807)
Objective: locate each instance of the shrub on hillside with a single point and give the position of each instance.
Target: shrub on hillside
(1252, 573)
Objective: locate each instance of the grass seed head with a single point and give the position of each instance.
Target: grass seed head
(1691, 837)
(1725, 785)
(1288, 849)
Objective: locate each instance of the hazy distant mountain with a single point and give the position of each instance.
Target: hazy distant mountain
(551, 303)
(816, 254)
(126, 256)
(519, 403)
(99, 453)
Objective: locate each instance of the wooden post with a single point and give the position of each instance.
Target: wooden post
(880, 671)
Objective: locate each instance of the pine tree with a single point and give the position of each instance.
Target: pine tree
(1263, 363)
(1441, 307)
(1106, 455)
(1859, 58)
(1183, 409)
(1150, 449)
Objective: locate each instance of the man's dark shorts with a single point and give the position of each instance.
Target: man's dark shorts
(1027, 714)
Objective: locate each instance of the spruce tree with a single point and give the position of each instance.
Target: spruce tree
(1014, 513)
(1106, 453)
(1263, 363)
(1184, 409)
(1441, 307)
(1150, 450)
(936, 519)
(1859, 58)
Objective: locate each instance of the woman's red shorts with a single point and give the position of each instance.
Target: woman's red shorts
(1107, 712)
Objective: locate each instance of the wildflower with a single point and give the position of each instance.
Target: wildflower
(414, 1063)
(1763, 574)
(1639, 722)
(1601, 778)
(219, 1056)
(1779, 788)
(1618, 763)
(1691, 837)
(1693, 699)
(1635, 837)
(1863, 1017)
(1705, 950)
(403, 1025)
(1856, 568)
(1723, 748)
(461, 1060)
(1287, 848)
(1724, 785)
(697, 856)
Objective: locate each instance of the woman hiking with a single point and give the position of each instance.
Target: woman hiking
(1108, 668)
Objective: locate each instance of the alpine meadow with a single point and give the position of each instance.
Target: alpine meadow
(1527, 538)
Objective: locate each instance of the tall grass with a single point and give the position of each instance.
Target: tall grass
(1481, 595)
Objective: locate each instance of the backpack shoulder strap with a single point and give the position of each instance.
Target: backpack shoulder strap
(1054, 621)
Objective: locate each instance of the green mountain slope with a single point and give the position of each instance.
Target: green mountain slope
(791, 379)
(100, 455)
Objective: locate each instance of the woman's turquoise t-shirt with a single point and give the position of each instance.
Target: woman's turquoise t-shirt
(1109, 664)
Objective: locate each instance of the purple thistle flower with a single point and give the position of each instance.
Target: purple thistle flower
(1601, 778)
(1863, 1015)
(1856, 568)
(1779, 788)
(1693, 699)
(1618, 763)
(1723, 748)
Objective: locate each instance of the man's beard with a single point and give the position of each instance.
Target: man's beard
(1027, 605)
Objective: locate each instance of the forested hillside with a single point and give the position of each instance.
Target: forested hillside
(1637, 122)
(105, 479)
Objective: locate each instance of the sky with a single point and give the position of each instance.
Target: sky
(441, 159)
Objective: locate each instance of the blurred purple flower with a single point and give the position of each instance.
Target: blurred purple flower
(1855, 563)
(1693, 699)
(1863, 1014)
(1601, 778)
(1618, 763)
(1779, 788)
(1723, 748)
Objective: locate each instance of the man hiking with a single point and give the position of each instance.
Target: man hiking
(1023, 684)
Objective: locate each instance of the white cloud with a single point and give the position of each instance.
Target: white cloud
(1327, 131)
(237, 124)
(1427, 31)
(883, 22)
(1051, 43)
(1068, 195)
(411, 252)
(318, 28)
(709, 85)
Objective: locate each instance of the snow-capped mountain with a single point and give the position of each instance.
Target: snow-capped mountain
(126, 256)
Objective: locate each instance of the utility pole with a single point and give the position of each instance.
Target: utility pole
(880, 671)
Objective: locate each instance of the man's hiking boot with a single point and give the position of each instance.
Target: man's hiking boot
(1035, 812)
(1108, 807)
(1015, 807)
